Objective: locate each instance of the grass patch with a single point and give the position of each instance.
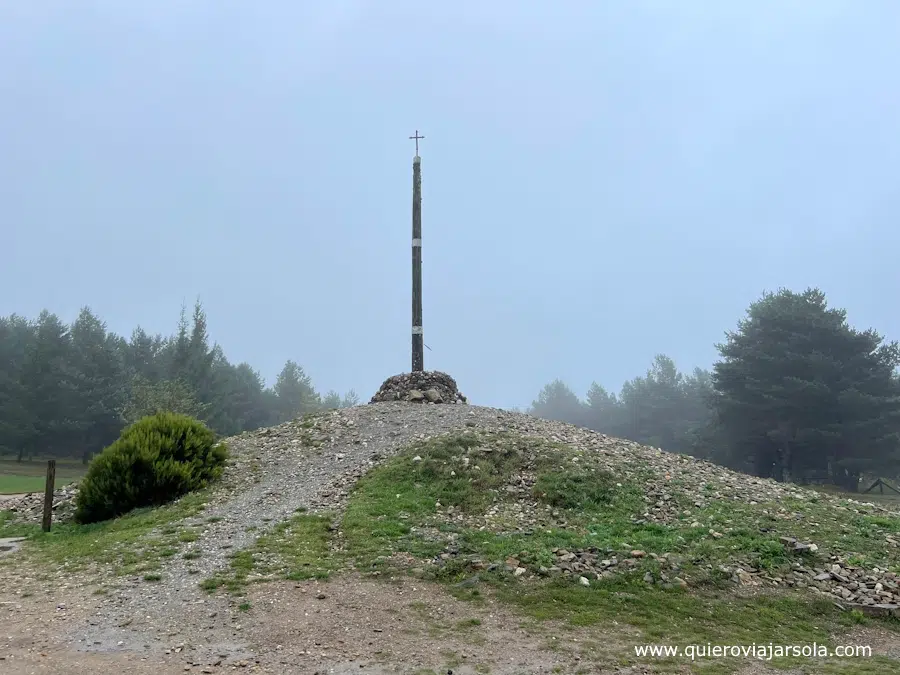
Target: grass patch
(836, 528)
(468, 623)
(677, 617)
(297, 549)
(471, 473)
(582, 490)
(395, 503)
(132, 544)
(18, 477)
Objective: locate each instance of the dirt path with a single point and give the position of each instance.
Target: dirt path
(348, 625)
(342, 626)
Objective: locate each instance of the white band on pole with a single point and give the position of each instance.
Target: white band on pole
(417, 242)
(417, 330)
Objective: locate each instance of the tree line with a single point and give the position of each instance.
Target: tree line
(68, 390)
(797, 394)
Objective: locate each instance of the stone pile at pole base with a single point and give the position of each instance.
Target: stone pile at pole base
(420, 387)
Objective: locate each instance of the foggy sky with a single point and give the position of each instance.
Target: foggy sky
(602, 180)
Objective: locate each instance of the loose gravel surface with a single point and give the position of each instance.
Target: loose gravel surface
(171, 625)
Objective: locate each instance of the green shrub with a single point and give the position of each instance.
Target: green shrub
(156, 460)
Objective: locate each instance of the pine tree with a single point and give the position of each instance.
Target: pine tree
(604, 411)
(351, 398)
(331, 400)
(557, 402)
(99, 384)
(179, 350)
(200, 357)
(68, 391)
(16, 334)
(143, 355)
(296, 395)
(50, 395)
(146, 397)
(803, 396)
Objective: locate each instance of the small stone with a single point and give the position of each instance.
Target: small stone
(878, 610)
(584, 581)
(434, 396)
(745, 578)
(638, 554)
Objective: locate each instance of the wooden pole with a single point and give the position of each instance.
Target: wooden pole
(48, 495)
(418, 355)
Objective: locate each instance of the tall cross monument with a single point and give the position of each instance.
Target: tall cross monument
(418, 355)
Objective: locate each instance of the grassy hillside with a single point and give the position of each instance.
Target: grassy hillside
(670, 550)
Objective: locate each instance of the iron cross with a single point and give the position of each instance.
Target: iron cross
(417, 138)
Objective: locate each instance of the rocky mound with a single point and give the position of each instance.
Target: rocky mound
(589, 508)
(425, 387)
(460, 493)
(30, 508)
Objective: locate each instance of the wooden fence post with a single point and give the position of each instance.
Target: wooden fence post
(48, 494)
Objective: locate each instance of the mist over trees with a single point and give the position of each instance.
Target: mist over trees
(797, 394)
(663, 408)
(67, 390)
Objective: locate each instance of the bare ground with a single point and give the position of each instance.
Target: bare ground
(346, 625)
